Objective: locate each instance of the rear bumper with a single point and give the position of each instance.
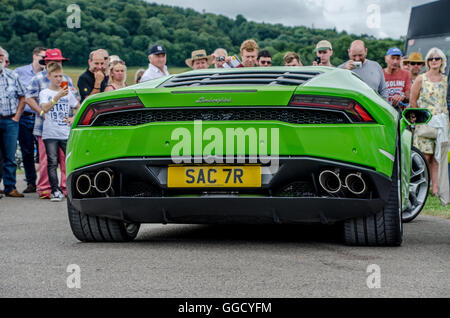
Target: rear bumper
(211, 210)
(159, 204)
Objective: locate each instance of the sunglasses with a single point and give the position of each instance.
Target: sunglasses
(434, 59)
(415, 63)
(266, 62)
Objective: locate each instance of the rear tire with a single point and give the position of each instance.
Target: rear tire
(88, 228)
(382, 229)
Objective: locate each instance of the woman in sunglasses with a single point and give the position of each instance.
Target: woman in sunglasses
(430, 91)
(118, 75)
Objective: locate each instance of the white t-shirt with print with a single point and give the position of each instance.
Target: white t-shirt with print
(54, 125)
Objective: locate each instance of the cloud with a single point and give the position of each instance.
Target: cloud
(348, 15)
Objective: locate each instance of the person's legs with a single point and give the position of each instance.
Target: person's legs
(62, 166)
(51, 147)
(9, 132)
(43, 186)
(1, 165)
(26, 141)
(434, 170)
(434, 167)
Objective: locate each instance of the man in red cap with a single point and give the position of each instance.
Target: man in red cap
(38, 83)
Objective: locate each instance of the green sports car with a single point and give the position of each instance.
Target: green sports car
(245, 145)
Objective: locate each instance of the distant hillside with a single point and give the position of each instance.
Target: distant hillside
(127, 28)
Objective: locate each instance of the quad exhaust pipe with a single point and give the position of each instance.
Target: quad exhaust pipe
(355, 183)
(83, 184)
(331, 182)
(102, 182)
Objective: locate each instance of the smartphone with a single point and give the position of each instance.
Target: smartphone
(234, 62)
(318, 59)
(64, 84)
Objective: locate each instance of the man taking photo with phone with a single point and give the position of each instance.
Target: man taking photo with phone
(369, 71)
(324, 51)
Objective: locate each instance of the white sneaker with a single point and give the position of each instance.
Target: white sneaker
(56, 196)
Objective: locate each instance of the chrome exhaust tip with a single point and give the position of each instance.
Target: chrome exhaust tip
(103, 181)
(330, 181)
(83, 184)
(355, 183)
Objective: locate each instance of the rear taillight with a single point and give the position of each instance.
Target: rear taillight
(355, 112)
(113, 105)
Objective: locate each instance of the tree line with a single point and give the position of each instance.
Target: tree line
(128, 27)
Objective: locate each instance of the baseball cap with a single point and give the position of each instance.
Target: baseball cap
(323, 46)
(394, 51)
(156, 49)
(52, 55)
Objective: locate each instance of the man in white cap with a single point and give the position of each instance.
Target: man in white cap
(324, 50)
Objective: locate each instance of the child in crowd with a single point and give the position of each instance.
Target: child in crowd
(57, 102)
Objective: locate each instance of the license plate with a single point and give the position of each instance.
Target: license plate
(214, 177)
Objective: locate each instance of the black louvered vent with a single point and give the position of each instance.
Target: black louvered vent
(284, 114)
(241, 77)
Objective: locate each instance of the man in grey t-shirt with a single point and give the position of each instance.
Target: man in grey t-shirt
(369, 71)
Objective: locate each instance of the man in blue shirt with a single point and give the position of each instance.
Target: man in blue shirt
(12, 103)
(27, 140)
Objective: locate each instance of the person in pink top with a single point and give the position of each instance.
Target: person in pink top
(398, 81)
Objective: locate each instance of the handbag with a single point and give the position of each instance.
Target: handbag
(426, 131)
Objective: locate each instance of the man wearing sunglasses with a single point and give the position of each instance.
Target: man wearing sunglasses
(398, 81)
(264, 58)
(416, 64)
(27, 140)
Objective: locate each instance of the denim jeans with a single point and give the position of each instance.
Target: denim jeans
(52, 148)
(9, 132)
(26, 141)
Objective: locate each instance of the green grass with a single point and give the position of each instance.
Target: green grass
(434, 207)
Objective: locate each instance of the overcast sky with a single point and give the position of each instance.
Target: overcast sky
(353, 16)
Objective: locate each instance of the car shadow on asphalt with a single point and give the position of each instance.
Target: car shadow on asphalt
(241, 233)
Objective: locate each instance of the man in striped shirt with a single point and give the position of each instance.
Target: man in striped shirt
(12, 103)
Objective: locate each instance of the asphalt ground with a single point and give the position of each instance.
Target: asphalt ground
(37, 246)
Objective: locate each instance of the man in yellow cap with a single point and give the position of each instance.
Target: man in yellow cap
(416, 63)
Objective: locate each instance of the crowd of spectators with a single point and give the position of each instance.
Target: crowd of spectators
(38, 101)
